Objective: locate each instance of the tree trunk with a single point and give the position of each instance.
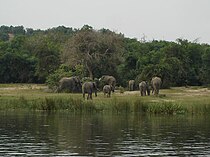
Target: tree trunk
(89, 71)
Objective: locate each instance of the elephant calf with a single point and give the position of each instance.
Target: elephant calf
(89, 88)
(107, 90)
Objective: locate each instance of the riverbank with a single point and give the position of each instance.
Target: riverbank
(177, 100)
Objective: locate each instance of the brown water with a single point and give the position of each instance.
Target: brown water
(67, 134)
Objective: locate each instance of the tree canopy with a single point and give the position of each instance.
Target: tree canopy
(37, 56)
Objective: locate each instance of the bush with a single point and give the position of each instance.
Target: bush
(53, 79)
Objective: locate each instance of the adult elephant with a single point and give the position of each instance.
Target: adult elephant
(70, 84)
(89, 88)
(108, 80)
(131, 84)
(156, 83)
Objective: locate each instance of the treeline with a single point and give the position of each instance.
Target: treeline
(44, 56)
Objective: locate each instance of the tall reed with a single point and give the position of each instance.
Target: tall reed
(114, 104)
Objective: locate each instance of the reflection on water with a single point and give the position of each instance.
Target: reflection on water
(67, 134)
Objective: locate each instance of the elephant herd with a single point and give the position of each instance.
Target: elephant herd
(87, 85)
(106, 83)
(144, 86)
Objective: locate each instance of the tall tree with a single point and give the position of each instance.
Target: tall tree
(96, 50)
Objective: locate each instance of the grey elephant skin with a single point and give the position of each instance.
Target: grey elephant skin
(70, 84)
(156, 83)
(131, 84)
(107, 90)
(108, 80)
(143, 88)
(89, 88)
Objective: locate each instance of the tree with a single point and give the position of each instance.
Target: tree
(99, 52)
(206, 67)
(46, 53)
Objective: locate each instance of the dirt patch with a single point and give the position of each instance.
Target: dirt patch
(23, 87)
(177, 92)
(196, 92)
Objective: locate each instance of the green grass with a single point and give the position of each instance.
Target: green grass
(193, 100)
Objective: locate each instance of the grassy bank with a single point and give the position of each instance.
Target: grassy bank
(193, 100)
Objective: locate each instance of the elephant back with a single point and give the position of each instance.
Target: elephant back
(89, 87)
(156, 81)
(69, 84)
(107, 88)
(142, 85)
(131, 81)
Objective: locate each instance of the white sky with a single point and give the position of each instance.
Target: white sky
(156, 19)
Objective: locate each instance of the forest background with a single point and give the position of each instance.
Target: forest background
(45, 56)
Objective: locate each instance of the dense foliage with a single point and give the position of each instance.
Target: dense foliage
(40, 56)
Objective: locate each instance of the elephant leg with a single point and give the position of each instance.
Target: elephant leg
(91, 96)
(155, 91)
(83, 95)
(152, 90)
(148, 92)
(141, 93)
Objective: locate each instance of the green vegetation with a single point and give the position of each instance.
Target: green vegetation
(44, 56)
(171, 101)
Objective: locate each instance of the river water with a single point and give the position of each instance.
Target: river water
(68, 134)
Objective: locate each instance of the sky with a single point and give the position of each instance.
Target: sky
(149, 19)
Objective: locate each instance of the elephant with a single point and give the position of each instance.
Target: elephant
(70, 84)
(131, 84)
(107, 90)
(156, 83)
(144, 88)
(89, 88)
(108, 80)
